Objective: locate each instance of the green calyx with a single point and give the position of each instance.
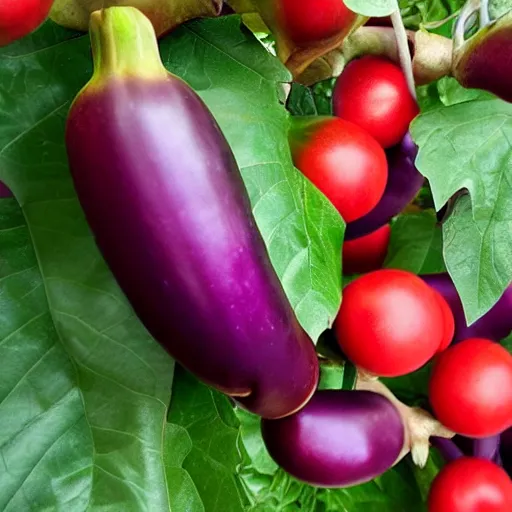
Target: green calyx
(124, 44)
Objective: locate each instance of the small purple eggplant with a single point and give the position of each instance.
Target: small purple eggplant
(495, 325)
(404, 183)
(164, 197)
(484, 61)
(339, 439)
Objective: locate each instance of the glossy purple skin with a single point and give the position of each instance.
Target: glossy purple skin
(339, 439)
(4, 191)
(404, 183)
(164, 197)
(494, 325)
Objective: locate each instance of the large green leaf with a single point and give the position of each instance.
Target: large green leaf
(469, 146)
(83, 389)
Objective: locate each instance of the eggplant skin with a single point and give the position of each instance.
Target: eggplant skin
(165, 200)
(495, 325)
(339, 439)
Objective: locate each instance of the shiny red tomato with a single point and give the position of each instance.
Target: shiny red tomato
(346, 164)
(469, 484)
(309, 21)
(20, 17)
(449, 321)
(390, 323)
(372, 92)
(366, 253)
(470, 388)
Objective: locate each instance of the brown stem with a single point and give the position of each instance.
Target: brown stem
(420, 426)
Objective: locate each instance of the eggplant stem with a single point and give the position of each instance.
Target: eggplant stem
(404, 53)
(419, 425)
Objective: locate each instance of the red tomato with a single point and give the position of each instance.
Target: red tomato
(469, 484)
(470, 388)
(389, 323)
(449, 321)
(366, 253)
(20, 17)
(372, 92)
(347, 165)
(308, 21)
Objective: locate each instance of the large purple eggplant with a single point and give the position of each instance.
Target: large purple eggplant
(404, 183)
(339, 439)
(165, 200)
(495, 325)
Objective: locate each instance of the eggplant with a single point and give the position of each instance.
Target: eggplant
(4, 191)
(164, 197)
(404, 183)
(339, 439)
(495, 325)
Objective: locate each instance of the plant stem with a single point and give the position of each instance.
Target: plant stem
(403, 50)
(484, 13)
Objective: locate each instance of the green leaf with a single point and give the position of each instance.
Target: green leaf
(301, 101)
(202, 455)
(507, 343)
(416, 244)
(418, 12)
(498, 8)
(469, 146)
(84, 389)
(302, 230)
(372, 7)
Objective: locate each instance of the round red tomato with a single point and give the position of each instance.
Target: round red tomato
(470, 388)
(308, 21)
(20, 17)
(346, 164)
(449, 321)
(389, 323)
(372, 92)
(366, 253)
(469, 484)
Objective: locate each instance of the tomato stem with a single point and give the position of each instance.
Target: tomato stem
(403, 50)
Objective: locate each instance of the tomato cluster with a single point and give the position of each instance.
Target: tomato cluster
(392, 322)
